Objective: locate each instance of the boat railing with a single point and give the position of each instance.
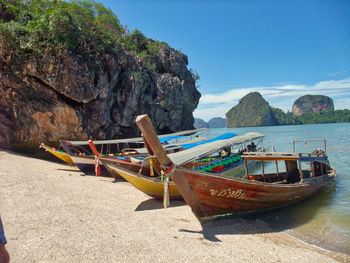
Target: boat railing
(271, 155)
(281, 155)
(269, 143)
(314, 140)
(316, 153)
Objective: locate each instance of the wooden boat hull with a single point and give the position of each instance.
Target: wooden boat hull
(212, 196)
(59, 154)
(86, 164)
(149, 185)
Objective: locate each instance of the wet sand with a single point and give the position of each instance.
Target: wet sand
(54, 213)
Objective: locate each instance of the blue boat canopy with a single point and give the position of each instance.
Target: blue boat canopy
(169, 138)
(138, 139)
(224, 136)
(205, 149)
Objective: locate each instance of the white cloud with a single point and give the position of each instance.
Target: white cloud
(281, 96)
(225, 97)
(333, 74)
(342, 103)
(206, 113)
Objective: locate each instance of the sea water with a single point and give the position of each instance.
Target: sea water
(323, 220)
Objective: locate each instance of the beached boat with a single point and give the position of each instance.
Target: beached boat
(81, 155)
(211, 196)
(140, 177)
(146, 175)
(59, 154)
(131, 145)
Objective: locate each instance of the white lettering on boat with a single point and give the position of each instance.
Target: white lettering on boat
(229, 193)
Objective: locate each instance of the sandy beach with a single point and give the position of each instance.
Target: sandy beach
(54, 213)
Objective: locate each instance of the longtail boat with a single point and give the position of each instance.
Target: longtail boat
(141, 177)
(59, 154)
(79, 151)
(212, 196)
(146, 175)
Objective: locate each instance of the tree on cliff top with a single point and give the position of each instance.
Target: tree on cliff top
(29, 27)
(84, 27)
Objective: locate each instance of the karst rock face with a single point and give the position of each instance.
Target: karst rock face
(312, 103)
(252, 110)
(62, 95)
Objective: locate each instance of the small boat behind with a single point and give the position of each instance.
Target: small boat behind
(143, 177)
(81, 155)
(59, 154)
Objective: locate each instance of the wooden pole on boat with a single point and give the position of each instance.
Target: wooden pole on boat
(246, 168)
(312, 169)
(149, 134)
(278, 174)
(262, 170)
(301, 173)
(149, 150)
(97, 158)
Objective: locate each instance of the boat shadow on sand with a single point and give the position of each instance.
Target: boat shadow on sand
(73, 169)
(268, 222)
(153, 203)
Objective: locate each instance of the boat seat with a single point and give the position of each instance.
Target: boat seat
(226, 163)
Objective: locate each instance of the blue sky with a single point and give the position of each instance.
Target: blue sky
(283, 49)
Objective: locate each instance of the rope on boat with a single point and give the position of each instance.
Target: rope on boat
(167, 174)
(97, 165)
(151, 167)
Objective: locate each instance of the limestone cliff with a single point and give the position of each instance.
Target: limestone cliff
(312, 103)
(199, 123)
(80, 93)
(252, 110)
(61, 95)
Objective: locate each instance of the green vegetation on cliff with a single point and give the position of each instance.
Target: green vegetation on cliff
(318, 117)
(284, 118)
(30, 27)
(252, 110)
(143, 47)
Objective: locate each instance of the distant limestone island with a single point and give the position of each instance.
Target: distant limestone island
(216, 122)
(253, 110)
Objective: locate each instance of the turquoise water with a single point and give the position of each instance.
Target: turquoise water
(323, 220)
